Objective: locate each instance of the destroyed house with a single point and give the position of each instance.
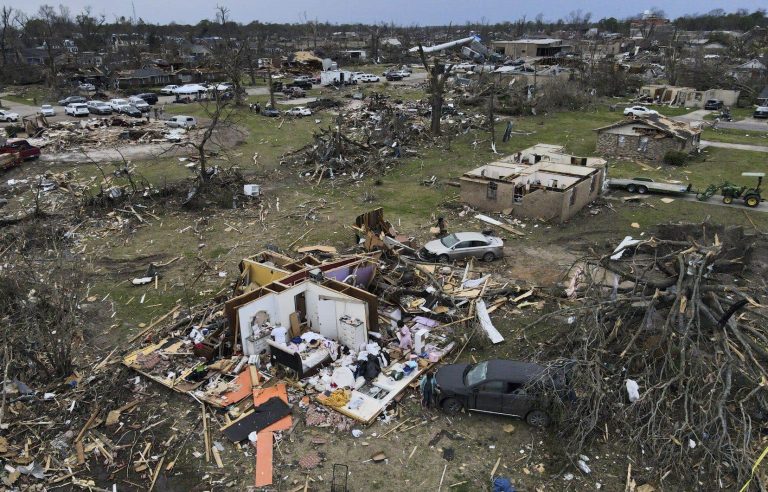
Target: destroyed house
(527, 48)
(143, 77)
(688, 96)
(546, 185)
(648, 138)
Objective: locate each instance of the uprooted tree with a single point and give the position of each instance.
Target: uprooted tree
(680, 316)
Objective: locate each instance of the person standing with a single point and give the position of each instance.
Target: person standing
(442, 226)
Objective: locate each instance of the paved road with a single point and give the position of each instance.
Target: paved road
(724, 145)
(747, 124)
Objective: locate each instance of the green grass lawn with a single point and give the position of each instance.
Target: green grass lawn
(736, 113)
(735, 136)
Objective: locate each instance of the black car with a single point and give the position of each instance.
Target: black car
(149, 97)
(392, 76)
(302, 84)
(72, 99)
(501, 387)
(713, 104)
(271, 112)
(131, 110)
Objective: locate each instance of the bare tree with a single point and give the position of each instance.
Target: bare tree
(438, 75)
(8, 17)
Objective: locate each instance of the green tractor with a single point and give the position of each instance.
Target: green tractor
(730, 191)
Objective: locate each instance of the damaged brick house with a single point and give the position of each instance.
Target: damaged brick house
(648, 138)
(540, 183)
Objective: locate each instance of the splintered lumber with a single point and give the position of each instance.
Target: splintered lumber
(157, 473)
(485, 322)
(154, 323)
(206, 437)
(499, 224)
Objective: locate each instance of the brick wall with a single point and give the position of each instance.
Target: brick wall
(608, 144)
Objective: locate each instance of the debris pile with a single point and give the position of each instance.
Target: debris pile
(668, 337)
(95, 133)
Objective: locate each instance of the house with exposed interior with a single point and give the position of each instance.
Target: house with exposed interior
(527, 48)
(541, 182)
(648, 138)
(688, 96)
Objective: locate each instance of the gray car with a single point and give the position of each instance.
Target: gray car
(463, 245)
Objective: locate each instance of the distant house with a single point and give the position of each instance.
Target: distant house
(360, 55)
(526, 48)
(751, 70)
(762, 98)
(541, 182)
(143, 77)
(648, 138)
(688, 96)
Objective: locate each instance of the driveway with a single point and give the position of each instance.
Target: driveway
(724, 145)
(747, 124)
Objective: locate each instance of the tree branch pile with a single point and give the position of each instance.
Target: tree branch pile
(679, 314)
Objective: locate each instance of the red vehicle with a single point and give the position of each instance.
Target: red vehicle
(22, 149)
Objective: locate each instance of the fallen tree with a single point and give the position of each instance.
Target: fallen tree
(670, 346)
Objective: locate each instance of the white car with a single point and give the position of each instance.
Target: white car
(181, 122)
(87, 87)
(47, 110)
(8, 116)
(77, 109)
(140, 103)
(299, 111)
(117, 103)
(168, 89)
(640, 111)
(368, 77)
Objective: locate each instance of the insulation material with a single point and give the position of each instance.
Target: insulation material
(485, 322)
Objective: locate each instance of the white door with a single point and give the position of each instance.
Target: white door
(326, 318)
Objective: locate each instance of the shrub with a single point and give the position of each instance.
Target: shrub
(675, 158)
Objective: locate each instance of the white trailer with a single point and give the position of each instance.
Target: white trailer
(647, 185)
(333, 77)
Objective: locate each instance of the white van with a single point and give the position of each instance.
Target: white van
(182, 122)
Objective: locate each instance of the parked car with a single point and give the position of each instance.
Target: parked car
(76, 109)
(139, 103)
(368, 77)
(393, 76)
(505, 387)
(116, 103)
(99, 107)
(640, 111)
(8, 116)
(181, 122)
(129, 110)
(294, 92)
(761, 112)
(47, 110)
(270, 112)
(72, 99)
(404, 73)
(150, 97)
(24, 149)
(168, 89)
(299, 111)
(87, 87)
(301, 84)
(463, 245)
(713, 104)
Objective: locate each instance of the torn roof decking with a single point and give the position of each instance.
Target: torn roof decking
(676, 129)
(567, 175)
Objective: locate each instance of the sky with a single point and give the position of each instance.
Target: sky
(403, 12)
